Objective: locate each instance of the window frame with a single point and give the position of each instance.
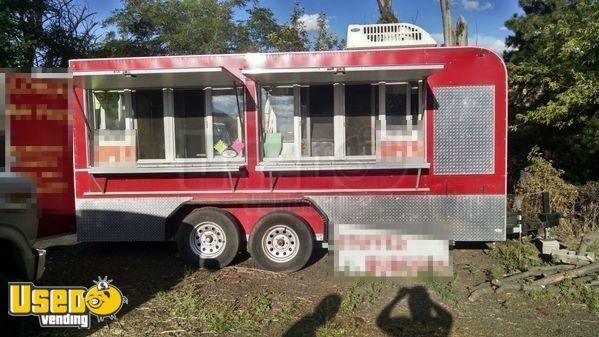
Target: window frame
(168, 120)
(339, 123)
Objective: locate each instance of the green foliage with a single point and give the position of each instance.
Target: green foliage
(292, 36)
(352, 300)
(289, 310)
(184, 300)
(160, 27)
(259, 304)
(539, 176)
(179, 27)
(329, 329)
(494, 273)
(219, 318)
(326, 40)
(554, 75)
(570, 292)
(515, 255)
(44, 33)
(588, 201)
(373, 292)
(449, 291)
(20, 32)
(188, 301)
(255, 31)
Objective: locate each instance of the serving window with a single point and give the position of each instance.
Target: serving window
(148, 127)
(367, 122)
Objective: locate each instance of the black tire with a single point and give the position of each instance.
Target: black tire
(290, 255)
(208, 225)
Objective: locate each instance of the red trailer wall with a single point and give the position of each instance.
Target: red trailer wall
(463, 66)
(41, 145)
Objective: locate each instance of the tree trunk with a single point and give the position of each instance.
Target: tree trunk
(386, 11)
(453, 35)
(461, 32)
(447, 26)
(553, 279)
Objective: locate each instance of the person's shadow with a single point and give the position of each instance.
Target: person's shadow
(324, 312)
(427, 317)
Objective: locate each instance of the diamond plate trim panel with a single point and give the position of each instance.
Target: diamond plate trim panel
(464, 130)
(124, 219)
(454, 217)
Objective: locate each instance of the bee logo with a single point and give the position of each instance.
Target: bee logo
(104, 299)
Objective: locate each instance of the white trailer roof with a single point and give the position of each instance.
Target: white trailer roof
(156, 78)
(350, 74)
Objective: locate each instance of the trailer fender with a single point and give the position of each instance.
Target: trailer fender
(173, 221)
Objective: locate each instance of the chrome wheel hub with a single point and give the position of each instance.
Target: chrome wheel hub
(207, 240)
(280, 243)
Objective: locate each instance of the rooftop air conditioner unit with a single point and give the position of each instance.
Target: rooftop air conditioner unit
(389, 35)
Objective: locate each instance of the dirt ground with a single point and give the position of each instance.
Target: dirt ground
(167, 299)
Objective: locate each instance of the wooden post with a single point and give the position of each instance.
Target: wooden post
(386, 10)
(447, 26)
(453, 36)
(461, 32)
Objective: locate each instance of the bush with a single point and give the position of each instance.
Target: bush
(540, 176)
(588, 205)
(515, 255)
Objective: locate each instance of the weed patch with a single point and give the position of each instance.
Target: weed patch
(289, 311)
(330, 329)
(569, 292)
(516, 255)
(448, 291)
(352, 299)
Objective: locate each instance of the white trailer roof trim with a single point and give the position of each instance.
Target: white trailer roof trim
(341, 74)
(156, 78)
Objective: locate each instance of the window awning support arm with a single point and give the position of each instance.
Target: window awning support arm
(231, 184)
(235, 88)
(83, 114)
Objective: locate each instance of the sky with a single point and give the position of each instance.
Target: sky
(486, 18)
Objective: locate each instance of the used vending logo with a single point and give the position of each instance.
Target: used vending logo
(66, 307)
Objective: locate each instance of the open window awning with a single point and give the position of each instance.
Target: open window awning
(312, 75)
(156, 78)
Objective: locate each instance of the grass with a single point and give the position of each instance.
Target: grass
(220, 317)
(289, 311)
(514, 255)
(216, 316)
(330, 329)
(351, 300)
(373, 292)
(594, 248)
(361, 292)
(448, 291)
(246, 315)
(494, 272)
(184, 300)
(569, 293)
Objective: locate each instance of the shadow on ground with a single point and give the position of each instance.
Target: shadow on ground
(323, 313)
(139, 269)
(427, 317)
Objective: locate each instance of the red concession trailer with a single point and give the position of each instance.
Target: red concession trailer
(36, 142)
(274, 149)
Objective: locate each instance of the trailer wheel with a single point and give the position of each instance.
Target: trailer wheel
(209, 238)
(281, 242)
